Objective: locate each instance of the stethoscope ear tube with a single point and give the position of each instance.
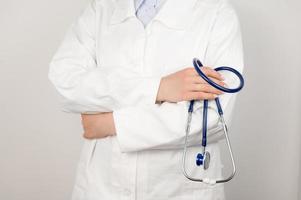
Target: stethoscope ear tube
(197, 66)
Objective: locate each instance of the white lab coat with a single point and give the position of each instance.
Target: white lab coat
(109, 62)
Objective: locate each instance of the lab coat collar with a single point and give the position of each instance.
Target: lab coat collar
(175, 14)
(124, 9)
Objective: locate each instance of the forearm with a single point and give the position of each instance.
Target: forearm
(98, 125)
(182, 85)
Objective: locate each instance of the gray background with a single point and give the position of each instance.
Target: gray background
(40, 145)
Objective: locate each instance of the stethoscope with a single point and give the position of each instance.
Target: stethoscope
(203, 159)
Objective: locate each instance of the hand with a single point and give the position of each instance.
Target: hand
(98, 125)
(186, 85)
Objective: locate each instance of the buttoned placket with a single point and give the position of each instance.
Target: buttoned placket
(130, 190)
(142, 46)
(126, 184)
(141, 49)
(147, 46)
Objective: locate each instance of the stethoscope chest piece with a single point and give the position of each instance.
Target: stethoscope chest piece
(203, 159)
(206, 160)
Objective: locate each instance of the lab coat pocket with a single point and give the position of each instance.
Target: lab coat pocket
(206, 191)
(83, 177)
(165, 179)
(120, 167)
(213, 172)
(89, 151)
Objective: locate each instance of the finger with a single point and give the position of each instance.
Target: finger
(205, 88)
(199, 96)
(88, 135)
(198, 80)
(208, 72)
(212, 73)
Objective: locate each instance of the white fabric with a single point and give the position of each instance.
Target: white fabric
(109, 62)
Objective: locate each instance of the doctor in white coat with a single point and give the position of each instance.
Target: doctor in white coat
(130, 75)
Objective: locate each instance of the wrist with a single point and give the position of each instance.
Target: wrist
(160, 95)
(111, 125)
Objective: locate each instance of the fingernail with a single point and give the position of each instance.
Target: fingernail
(215, 96)
(222, 77)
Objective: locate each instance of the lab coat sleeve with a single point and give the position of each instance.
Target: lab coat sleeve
(163, 126)
(86, 87)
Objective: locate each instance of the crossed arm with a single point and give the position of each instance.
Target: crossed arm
(110, 94)
(183, 85)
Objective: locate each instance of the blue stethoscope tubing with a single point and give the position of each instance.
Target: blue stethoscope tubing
(204, 158)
